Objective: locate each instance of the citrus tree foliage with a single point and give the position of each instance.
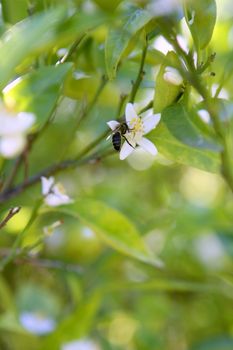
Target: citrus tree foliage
(108, 250)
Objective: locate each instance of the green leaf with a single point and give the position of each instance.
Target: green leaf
(39, 33)
(165, 92)
(153, 57)
(14, 11)
(179, 152)
(77, 325)
(118, 39)
(112, 227)
(37, 92)
(177, 120)
(85, 88)
(23, 39)
(200, 17)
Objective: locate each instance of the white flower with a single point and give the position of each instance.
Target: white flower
(54, 193)
(13, 130)
(137, 128)
(37, 323)
(172, 76)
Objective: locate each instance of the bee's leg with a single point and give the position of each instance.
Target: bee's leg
(127, 141)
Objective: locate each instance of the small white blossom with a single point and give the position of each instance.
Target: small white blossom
(37, 323)
(13, 131)
(54, 193)
(172, 76)
(138, 127)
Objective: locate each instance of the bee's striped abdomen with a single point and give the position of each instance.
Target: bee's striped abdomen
(116, 141)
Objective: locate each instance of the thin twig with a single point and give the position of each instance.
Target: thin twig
(140, 75)
(92, 145)
(50, 264)
(9, 216)
(54, 169)
(196, 81)
(85, 112)
(103, 82)
(21, 258)
(123, 97)
(72, 49)
(21, 235)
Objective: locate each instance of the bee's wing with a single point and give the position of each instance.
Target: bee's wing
(109, 136)
(113, 124)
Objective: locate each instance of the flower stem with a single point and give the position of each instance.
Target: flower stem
(196, 81)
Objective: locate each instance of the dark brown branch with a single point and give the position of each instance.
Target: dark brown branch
(53, 169)
(9, 216)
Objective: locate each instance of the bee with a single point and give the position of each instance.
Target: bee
(118, 134)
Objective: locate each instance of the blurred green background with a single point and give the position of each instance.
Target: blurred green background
(73, 290)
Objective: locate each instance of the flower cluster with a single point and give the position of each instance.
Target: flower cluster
(137, 128)
(13, 131)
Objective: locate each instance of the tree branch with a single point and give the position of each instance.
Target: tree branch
(22, 259)
(9, 216)
(56, 168)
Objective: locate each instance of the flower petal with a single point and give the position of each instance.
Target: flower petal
(126, 150)
(11, 124)
(47, 184)
(148, 146)
(150, 122)
(130, 113)
(113, 124)
(26, 120)
(53, 200)
(11, 146)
